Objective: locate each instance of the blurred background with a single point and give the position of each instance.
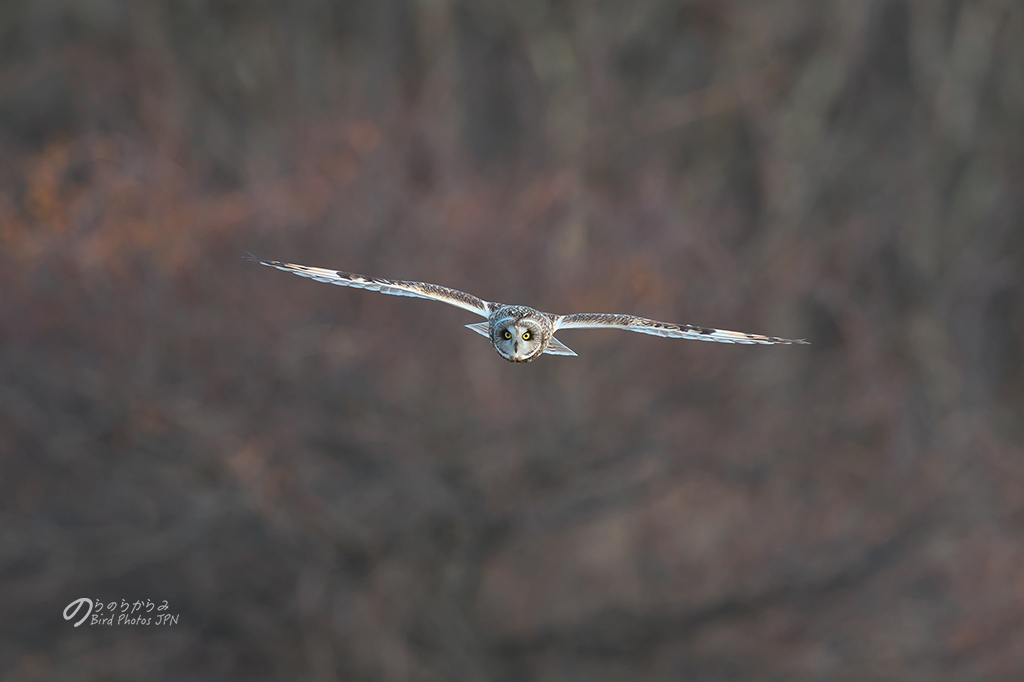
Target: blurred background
(328, 484)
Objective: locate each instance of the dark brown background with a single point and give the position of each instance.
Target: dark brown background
(331, 484)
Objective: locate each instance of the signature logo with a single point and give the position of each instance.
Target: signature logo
(125, 613)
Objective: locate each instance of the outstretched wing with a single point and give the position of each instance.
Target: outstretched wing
(394, 287)
(674, 331)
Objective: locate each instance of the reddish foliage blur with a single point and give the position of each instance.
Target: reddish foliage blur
(331, 484)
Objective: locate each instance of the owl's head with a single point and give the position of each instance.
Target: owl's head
(519, 339)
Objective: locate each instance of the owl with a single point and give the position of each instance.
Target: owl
(520, 333)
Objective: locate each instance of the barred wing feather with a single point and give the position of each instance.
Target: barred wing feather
(666, 329)
(394, 287)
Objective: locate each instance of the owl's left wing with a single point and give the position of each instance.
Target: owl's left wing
(394, 287)
(674, 331)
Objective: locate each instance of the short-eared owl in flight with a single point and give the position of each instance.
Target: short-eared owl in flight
(520, 333)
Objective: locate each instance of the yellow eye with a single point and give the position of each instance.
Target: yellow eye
(526, 336)
(508, 334)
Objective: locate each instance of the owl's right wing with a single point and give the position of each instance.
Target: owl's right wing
(675, 331)
(394, 287)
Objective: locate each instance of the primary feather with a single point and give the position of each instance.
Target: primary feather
(395, 287)
(644, 325)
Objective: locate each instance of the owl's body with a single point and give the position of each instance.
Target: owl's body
(520, 333)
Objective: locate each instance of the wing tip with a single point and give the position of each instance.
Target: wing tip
(250, 256)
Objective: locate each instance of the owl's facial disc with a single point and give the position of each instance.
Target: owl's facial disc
(519, 342)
